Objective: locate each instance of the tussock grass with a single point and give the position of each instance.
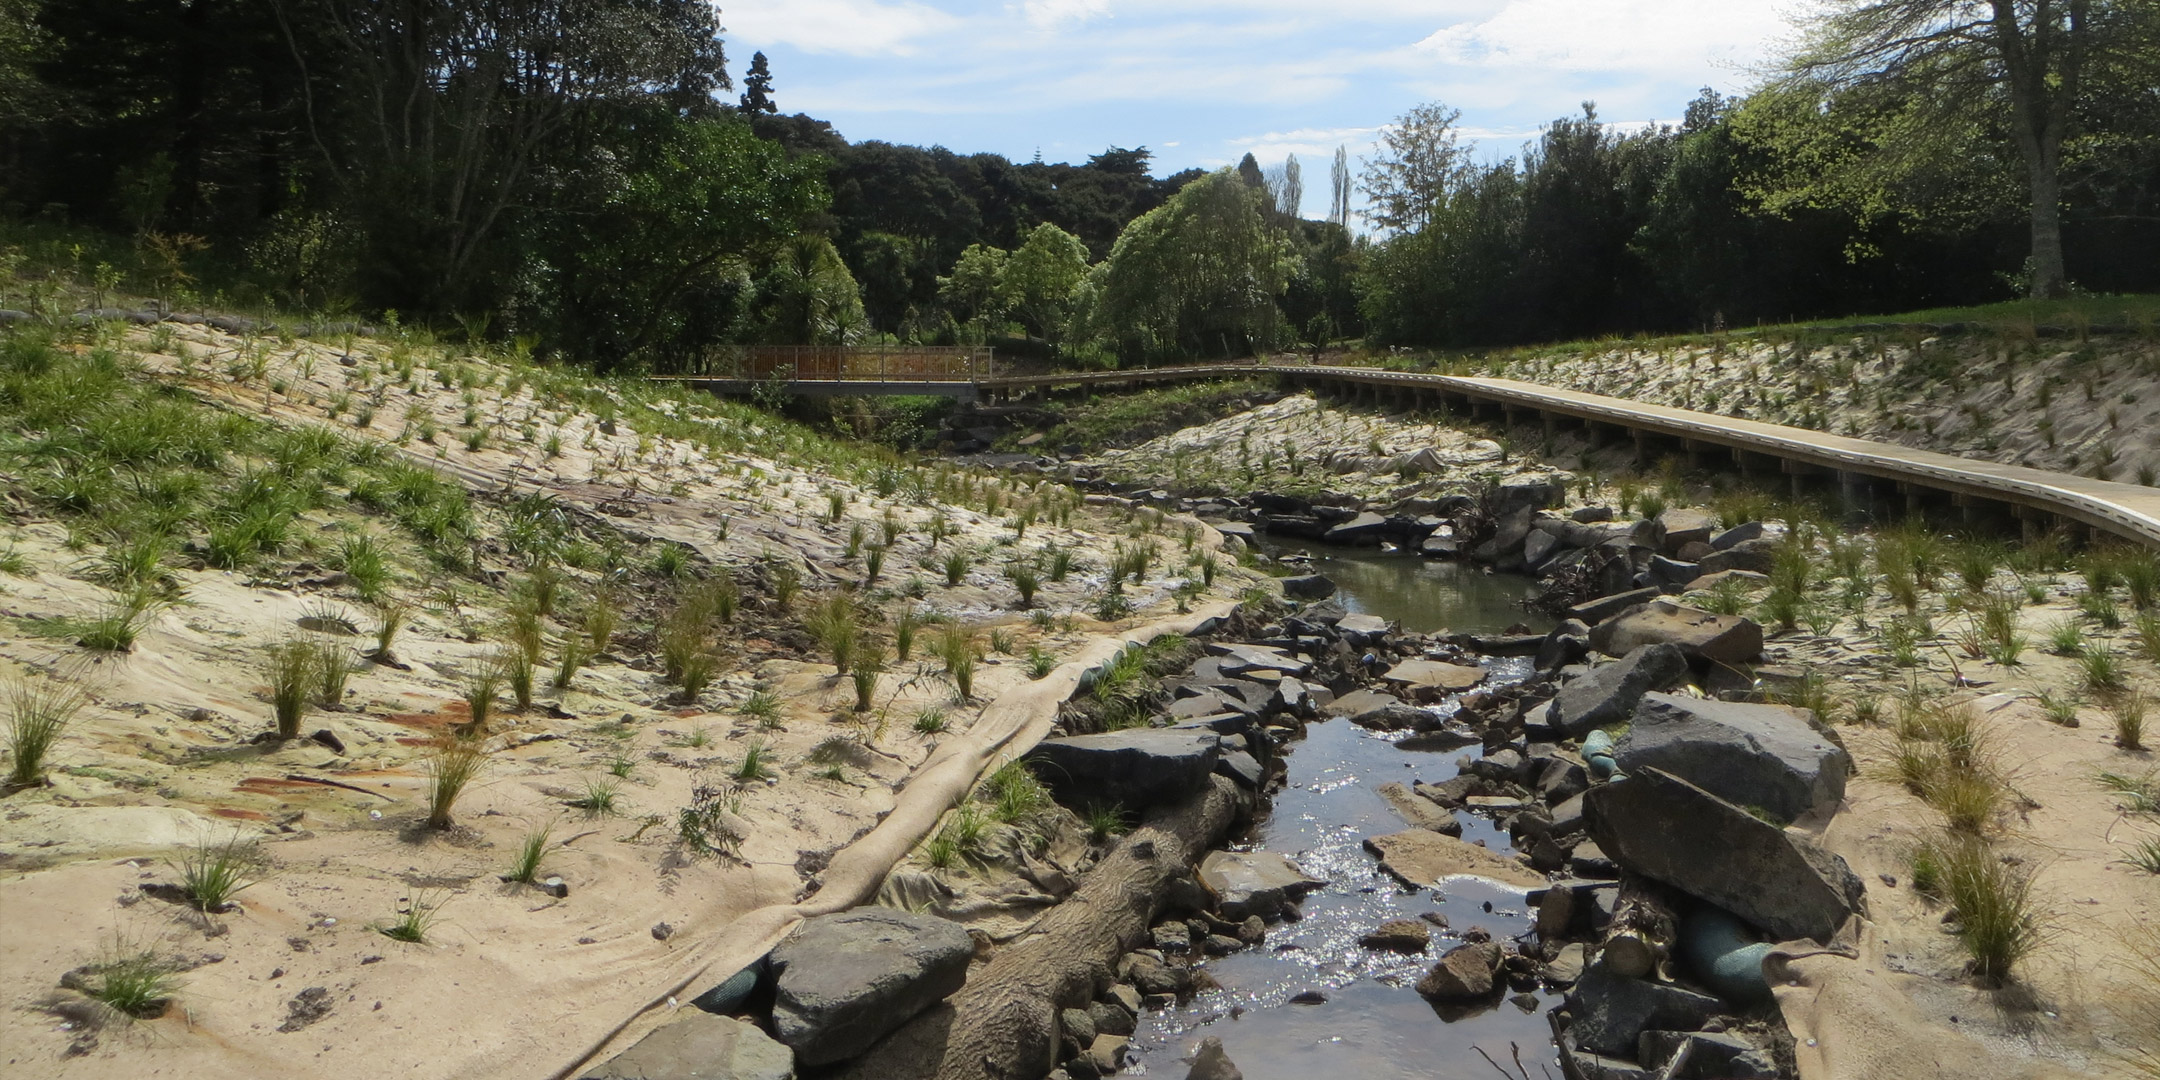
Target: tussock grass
(133, 982)
(483, 688)
(753, 766)
(414, 917)
(39, 709)
(869, 664)
(1943, 754)
(213, 873)
(1995, 915)
(531, 852)
(2128, 712)
(833, 623)
(601, 795)
(762, 706)
(956, 647)
(292, 669)
(452, 764)
(1016, 797)
(930, 721)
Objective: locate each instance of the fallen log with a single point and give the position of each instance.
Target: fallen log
(1003, 1024)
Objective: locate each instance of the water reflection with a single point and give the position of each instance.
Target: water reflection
(1422, 594)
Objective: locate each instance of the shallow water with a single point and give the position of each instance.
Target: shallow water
(1422, 594)
(1373, 1024)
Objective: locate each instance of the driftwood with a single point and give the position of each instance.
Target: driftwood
(1642, 931)
(1003, 1024)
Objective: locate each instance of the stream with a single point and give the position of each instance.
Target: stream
(1373, 1025)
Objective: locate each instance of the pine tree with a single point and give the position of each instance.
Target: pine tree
(757, 87)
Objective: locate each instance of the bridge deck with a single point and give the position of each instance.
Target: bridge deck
(2127, 510)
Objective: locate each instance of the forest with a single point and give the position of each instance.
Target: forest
(589, 180)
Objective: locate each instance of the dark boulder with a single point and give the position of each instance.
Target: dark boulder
(1664, 828)
(1135, 768)
(1768, 757)
(844, 981)
(1608, 693)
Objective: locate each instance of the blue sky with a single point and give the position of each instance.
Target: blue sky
(1201, 82)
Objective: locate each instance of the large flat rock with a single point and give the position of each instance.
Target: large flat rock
(1418, 810)
(1247, 883)
(1238, 659)
(844, 981)
(1763, 756)
(1435, 674)
(1422, 858)
(1723, 639)
(1669, 830)
(697, 1045)
(1135, 768)
(1608, 693)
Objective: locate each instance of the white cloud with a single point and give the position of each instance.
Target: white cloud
(1610, 36)
(850, 27)
(1056, 14)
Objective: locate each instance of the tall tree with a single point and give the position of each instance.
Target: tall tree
(1198, 275)
(1418, 160)
(1040, 278)
(1286, 186)
(1339, 188)
(2022, 63)
(757, 87)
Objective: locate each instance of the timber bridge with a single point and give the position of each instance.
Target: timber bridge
(1878, 478)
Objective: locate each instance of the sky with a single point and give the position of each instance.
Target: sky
(1203, 82)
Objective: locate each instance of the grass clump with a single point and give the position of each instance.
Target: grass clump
(956, 647)
(601, 795)
(930, 721)
(2128, 712)
(39, 710)
(452, 764)
(832, 622)
(213, 873)
(137, 984)
(414, 917)
(291, 668)
(1014, 794)
(1992, 898)
(531, 852)
(869, 664)
(753, 766)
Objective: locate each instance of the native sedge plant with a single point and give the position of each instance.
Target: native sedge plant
(412, 919)
(1015, 796)
(531, 852)
(452, 764)
(2128, 711)
(905, 625)
(291, 668)
(832, 622)
(133, 982)
(1997, 922)
(567, 662)
(213, 873)
(601, 618)
(39, 710)
(930, 721)
(333, 670)
(389, 619)
(2102, 671)
(1025, 580)
(956, 647)
(956, 565)
(869, 664)
(519, 669)
(483, 688)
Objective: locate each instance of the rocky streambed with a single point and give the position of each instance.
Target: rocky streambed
(1376, 850)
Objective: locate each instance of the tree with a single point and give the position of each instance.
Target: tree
(439, 123)
(1417, 161)
(1196, 276)
(757, 87)
(1039, 280)
(1339, 188)
(1248, 170)
(975, 288)
(1286, 187)
(647, 260)
(2023, 64)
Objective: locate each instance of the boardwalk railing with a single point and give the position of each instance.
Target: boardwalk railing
(850, 363)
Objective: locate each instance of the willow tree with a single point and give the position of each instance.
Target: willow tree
(1939, 70)
(1198, 275)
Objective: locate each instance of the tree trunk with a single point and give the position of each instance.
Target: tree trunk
(1003, 1024)
(2049, 280)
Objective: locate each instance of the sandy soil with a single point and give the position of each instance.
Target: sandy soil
(510, 978)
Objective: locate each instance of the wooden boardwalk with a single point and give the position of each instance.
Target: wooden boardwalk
(1876, 477)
